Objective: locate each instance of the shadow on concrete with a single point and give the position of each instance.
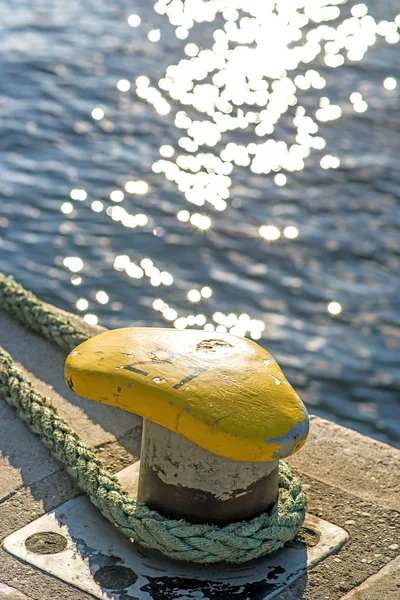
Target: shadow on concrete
(97, 424)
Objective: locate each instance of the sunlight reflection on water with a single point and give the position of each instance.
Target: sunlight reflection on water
(206, 165)
(246, 81)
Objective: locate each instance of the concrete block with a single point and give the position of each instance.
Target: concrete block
(23, 459)
(383, 585)
(9, 593)
(33, 583)
(352, 462)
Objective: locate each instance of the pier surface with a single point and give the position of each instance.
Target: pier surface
(351, 480)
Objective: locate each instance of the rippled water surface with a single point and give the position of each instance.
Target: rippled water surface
(228, 165)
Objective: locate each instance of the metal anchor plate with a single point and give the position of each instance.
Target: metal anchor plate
(76, 544)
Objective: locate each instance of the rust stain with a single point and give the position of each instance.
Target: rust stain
(212, 345)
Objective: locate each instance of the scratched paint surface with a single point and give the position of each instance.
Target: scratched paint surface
(222, 392)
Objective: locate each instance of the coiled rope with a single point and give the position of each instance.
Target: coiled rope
(177, 539)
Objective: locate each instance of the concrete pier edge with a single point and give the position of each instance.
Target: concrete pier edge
(351, 480)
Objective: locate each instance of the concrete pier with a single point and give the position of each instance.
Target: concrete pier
(351, 480)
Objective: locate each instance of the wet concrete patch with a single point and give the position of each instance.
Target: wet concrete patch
(115, 577)
(171, 588)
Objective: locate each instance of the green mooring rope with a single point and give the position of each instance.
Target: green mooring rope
(177, 539)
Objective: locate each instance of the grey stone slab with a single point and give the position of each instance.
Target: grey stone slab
(10, 593)
(31, 502)
(35, 584)
(23, 459)
(373, 532)
(352, 462)
(384, 585)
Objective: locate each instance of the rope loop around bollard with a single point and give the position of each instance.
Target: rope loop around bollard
(177, 539)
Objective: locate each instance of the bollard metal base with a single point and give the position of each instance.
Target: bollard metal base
(76, 544)
(181, 480)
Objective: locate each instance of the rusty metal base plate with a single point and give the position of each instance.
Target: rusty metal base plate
(77, 545)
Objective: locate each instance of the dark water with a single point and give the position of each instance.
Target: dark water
(269, 104)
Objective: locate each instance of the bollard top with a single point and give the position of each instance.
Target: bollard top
(222, 392)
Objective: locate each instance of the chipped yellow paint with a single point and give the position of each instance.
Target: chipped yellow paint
(222, 392)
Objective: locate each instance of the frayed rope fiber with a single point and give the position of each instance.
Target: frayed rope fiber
(177, 539)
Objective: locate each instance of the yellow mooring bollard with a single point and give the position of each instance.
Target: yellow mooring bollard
(218, 415)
